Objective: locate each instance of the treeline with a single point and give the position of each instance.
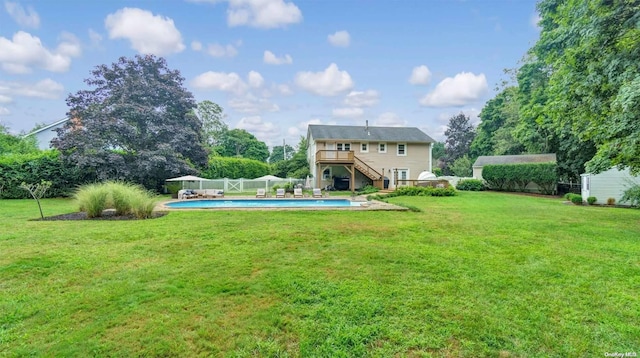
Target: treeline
(576, 94)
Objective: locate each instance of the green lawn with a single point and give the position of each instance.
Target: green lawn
(480, 274)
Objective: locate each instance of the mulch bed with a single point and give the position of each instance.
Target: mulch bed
(106, 215)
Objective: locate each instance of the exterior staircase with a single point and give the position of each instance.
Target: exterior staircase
(369, 172)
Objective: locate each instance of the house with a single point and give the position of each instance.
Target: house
(45, 134)
(609, 184)
(510, 159)
(350, 157)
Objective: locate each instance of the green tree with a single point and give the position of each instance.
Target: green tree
(214, 128)
(460, 133)
(437, 151)
(462, 167)
(136, 123)
(242, 144)
(278, 153)
(590, 50)
(297, 166)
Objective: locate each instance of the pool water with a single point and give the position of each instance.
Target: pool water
(262, 203)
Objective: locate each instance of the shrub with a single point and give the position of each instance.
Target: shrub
(125, 198)
(631, 195)
(576, 199)
(235, 168)
(611, 201)
(591, 200)
(368, 189)
(418, 191)
(37, 167)
(92, 199)
(470, 185)
(518, 176)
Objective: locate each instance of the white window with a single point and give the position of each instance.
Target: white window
(382, 147)
(402, 149)
(345, 147)
(364, 147)
(326, 174)
(403, 176)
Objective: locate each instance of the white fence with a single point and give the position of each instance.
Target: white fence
(240, 185)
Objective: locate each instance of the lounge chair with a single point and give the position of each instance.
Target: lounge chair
(261, 193)
(187, 194)
(317, 193)
(213, 193)
(297, 193)
(280, 193)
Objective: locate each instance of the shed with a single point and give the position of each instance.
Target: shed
(609, 184)
(45, 134)
(510, 159)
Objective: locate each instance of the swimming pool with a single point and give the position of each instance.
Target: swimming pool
(262, 203)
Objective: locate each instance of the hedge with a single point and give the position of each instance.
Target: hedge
(235, 168)
(35, 167)
(515, 177)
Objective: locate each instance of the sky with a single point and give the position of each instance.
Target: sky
(275, 66)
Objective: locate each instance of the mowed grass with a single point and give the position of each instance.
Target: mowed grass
(480, 274)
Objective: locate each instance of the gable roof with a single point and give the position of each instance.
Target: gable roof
(370, 134)
(514, 159)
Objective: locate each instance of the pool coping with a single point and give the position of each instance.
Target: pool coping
(365, 206)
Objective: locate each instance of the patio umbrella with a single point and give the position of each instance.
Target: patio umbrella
(189, 178)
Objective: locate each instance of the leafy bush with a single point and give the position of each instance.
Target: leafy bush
(235, 168)
(591, 200)
(576, 199)
(368, 189)
(631, 195)
(37, 167)
(418, 191)
(125, 198)
(470, 185)
(517, 176)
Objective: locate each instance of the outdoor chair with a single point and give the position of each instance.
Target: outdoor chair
(317, 193)
(261, 193)
(280, 193)
(297, 193)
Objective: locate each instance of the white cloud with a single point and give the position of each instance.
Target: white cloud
(4, 111)
(283, 89)
(458, 91)
(196, 45)
(217, 50)
(329, 82)
(5, 99)
(47, 89)
(253, 105)
(389, 119)
(228, 82)
(255, 79)
(24, 51)
(301, 128)
(340, 39)
(26, 18)
(264, 131)
(265, 14)
(148, 33)
(362, 99)
(347, 112)
(420, 75)
(271, 59)
(96, 38)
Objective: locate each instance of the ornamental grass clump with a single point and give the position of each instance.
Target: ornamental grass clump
(125, 198)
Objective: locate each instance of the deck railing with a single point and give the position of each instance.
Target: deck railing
(340, 156)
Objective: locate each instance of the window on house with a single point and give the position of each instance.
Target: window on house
(364, 147)
(382, 147)
(345, 147)
(326, 174)
(402, 149)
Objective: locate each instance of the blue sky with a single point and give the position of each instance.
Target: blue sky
(275, 66)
